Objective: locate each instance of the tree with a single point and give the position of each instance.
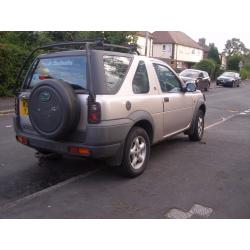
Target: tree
(207, 65)
(116, 37)
(235, 47)
(233, 62)
(214, 54)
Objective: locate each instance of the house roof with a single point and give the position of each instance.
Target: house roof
(144, 33)
(174, 37)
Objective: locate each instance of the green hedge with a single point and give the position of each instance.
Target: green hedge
(11, 59)
(207, 65)
(244, 73)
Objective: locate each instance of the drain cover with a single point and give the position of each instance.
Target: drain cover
(196, 209)
(201, 210)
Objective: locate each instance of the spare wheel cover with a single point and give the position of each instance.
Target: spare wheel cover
(53, 108)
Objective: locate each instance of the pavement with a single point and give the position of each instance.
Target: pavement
(7, 105)
(208, 179)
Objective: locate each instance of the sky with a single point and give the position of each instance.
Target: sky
(219, 38)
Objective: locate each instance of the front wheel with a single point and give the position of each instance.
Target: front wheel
(198, 127)
(136, 152)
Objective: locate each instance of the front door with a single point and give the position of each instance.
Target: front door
(178, 106)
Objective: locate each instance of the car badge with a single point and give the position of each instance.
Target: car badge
(44, 96)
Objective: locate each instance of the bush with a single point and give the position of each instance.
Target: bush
(244, 73)
(11, 60)
(207, 65)
(233, 63)
(4, 91)
(219, 72)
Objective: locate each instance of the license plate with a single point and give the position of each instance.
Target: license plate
(24, 107)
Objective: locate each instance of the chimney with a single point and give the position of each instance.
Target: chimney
(202, 42)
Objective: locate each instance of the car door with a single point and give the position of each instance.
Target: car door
(177, 105)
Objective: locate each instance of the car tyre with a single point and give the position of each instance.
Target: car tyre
(136, 153)
(198, 127)
(207, 88)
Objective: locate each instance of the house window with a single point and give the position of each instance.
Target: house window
(164, 47)
(193, 51)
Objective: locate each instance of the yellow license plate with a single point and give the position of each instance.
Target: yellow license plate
(24, 107)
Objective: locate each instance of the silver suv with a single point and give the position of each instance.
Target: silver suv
(100, 102)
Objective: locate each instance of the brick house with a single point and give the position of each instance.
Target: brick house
(177, 49)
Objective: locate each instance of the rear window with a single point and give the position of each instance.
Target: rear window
(115, 68)
(71, 69)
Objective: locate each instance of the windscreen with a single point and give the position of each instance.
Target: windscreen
(229, 74)
(71, 69)
(189, 73)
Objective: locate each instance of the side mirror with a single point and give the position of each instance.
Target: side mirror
(190, 87)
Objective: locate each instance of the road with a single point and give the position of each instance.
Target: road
(213, 174)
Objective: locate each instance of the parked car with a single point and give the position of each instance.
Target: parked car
(199, 77)
(229, 79)
(104, 104)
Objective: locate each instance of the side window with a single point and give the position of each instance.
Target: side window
(140, 82)
(168, 81)
(115, 68)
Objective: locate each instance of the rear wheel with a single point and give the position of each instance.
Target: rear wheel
(198, 127)
(136, 153)
(208, 86)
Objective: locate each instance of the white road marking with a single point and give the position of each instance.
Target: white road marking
(47, 190)
(196, 209)
(8, 126)
(243, 113)
(219, 122)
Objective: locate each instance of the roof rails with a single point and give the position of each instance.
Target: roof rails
(96, 44)
(88, 43)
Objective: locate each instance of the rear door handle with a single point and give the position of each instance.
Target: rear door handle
(166, 99)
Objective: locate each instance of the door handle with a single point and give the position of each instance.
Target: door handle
(166, 99)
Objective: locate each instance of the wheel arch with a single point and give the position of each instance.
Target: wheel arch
(144, 120)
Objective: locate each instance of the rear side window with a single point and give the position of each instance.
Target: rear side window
(115, 68)
(140, 82)
(71, 69)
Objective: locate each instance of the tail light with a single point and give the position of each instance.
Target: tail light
(94, 112)
(22, 139)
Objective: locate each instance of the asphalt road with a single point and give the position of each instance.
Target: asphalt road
(214, 174)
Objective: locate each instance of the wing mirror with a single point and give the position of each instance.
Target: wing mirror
(190, 87)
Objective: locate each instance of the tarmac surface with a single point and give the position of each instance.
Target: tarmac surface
(182, 177)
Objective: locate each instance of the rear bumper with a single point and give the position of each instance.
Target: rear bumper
(99, 147)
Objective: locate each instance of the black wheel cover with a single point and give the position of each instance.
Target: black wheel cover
(53, 108)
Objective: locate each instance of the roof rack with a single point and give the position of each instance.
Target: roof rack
(88, 43)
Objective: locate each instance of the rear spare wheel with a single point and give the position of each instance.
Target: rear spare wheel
(54, 109)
